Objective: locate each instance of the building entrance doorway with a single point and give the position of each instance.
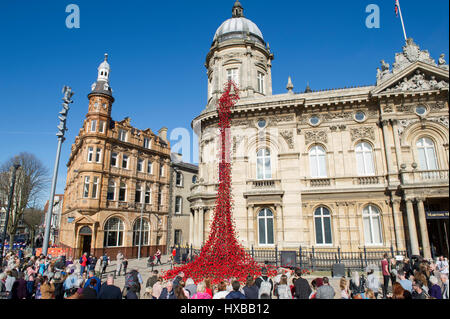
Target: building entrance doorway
(437, 214)
(85, 240)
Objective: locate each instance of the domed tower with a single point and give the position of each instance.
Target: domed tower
(100, 100)
(239, 53)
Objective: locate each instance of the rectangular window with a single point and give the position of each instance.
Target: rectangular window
(86, 187)
(90, 154)
(147, 142)
(98, 155)
(114, 159)
(149, 167)
(101, 126)
(178, 203)
(122, 193)
(233, 75)
(123, 135)
(138, 194)
(140, 164)
(148, 196)
(260, 82)
(93, 125)
(179, 179)
(111, 191)
(125, 161)
(161, 170)
(159, 199)
(94, 187)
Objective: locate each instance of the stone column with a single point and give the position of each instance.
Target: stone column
(191, 228)
(398, 149)
(397, 225)
(423, 229)
(196, 234)
(412, 227)
(201, 229)
(387, 147)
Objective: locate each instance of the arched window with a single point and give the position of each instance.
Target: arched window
(372, 225)
(263, 167)
(145, 232)
(322, 220)
(111, 195)
(122, 192)
(113, 232)
(364, 159)
(427, 154)
(265, 227)
(194, 179)
(317, 161)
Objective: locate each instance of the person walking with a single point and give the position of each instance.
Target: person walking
(386, 275)
(302, 288)
(105, 262)
(109, 290)
(158, 257)
(119, 259)
(325, 291)
(125, 265)
(83, 263)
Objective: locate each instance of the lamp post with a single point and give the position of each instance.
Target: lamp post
(8, 209)
(61, 131)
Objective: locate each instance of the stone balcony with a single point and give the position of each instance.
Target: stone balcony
(430, 178)
(343, 183)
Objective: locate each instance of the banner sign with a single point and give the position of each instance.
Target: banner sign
(437, 215)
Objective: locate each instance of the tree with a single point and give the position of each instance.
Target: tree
(33, 218)
(31, 181)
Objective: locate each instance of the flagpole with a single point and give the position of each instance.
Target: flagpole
(401, 18)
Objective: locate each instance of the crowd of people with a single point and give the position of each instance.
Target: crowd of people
(42, 277)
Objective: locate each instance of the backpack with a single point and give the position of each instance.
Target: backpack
(131, 279)
(81, 260)
(265, 287)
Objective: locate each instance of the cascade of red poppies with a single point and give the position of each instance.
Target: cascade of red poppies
(222, 257)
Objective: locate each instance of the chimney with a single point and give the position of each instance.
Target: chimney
(162, 133)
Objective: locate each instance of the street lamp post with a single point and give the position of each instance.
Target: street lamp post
(61, 131)
(8, 209)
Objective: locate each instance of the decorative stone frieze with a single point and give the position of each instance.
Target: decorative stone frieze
(316, 136)
(362, 133)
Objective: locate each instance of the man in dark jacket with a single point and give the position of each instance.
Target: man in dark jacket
(168, 293)
(97, 280)
(108, 290)
(235, 294)
(302, 288)
(89, 292)
(152, 280)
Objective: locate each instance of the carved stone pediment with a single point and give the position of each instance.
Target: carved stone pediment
(365, 132)
(419, 81)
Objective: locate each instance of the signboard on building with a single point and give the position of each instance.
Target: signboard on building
(437, 214)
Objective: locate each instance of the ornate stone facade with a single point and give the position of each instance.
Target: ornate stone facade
(349, 176)
(114, 171)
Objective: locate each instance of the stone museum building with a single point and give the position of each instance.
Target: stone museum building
(351, 168)
(184, 175)
(116, 173)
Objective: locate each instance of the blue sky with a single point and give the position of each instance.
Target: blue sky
(157, 53)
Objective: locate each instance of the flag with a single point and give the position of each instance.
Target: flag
(396, 8)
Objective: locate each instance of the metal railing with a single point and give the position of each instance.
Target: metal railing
(314, 258)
